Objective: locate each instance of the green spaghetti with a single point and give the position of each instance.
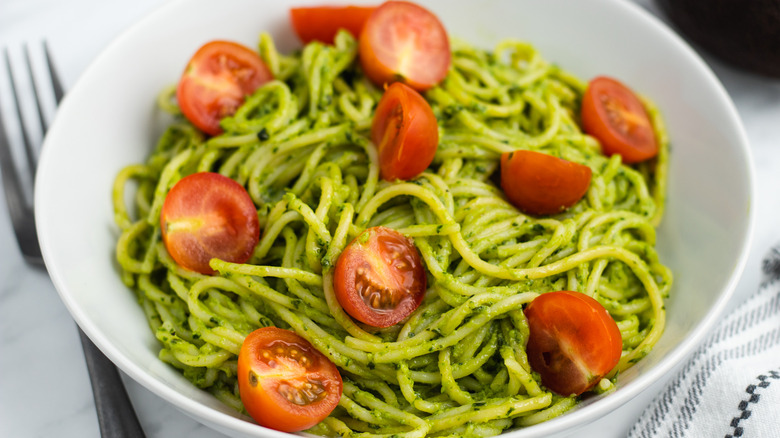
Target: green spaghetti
(457, 366)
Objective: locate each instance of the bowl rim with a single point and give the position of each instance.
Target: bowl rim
(578, 417)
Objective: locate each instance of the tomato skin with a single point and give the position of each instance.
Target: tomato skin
(541, 184)
(405, 133)
(573, 341)
(284, 382)
(406, 42)
(615, 116)
(215, 82)
(321, 23)
(207, 215)
(379, 278)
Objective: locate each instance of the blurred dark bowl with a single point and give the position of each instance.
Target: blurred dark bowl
(744, 33)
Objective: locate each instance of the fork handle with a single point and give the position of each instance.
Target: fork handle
(116, 416)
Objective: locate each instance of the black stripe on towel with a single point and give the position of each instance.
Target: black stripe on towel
(753, 396)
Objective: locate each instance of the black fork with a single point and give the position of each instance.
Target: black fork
(116, 417)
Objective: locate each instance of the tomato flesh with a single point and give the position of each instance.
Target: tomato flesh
(215, 82)
(321, 23)
(207, 215)
(541, 184)
(284, 382)
(406, 42)
(573, 341)
(405, 133)
(379, 278)
(615, 116)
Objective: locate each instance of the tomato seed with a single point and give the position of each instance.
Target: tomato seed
(302, 394)
(278, 351)
(375, 296)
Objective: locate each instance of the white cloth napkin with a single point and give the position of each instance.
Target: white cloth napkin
(731, 385)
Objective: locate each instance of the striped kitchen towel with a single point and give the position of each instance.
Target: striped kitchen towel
(731, 385)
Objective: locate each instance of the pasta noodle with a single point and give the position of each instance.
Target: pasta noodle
(457, 366)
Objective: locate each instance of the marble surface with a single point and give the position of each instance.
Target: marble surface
(44, 388)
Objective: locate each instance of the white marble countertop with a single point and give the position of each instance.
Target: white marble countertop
(44, 388)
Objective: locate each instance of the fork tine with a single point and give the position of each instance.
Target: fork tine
(20, 211)
(40, 106)
(28, 146)
(11, 183)
(59, 91)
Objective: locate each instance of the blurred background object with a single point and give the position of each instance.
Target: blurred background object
(744, 33)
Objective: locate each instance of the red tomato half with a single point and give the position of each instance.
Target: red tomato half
(573, 342)
(284, 382)
(403, 41)
(617, 119)
(405, 133)
(207, 215)
(321, 23)
(217, 78)
(541, 184)
(379, 277)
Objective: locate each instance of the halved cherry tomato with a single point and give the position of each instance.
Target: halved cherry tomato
(615, 116)
(573, 342)
(321, 23)
(206, 215)
(379, 277)
(540, 184)
(403, 41)
(217, 78)
(405, 133)
(284, 382)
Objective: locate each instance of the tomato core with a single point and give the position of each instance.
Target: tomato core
(296, 387)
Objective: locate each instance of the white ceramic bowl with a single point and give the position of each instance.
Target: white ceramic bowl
(109, 120)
